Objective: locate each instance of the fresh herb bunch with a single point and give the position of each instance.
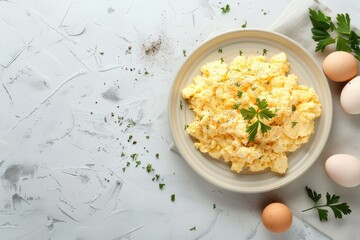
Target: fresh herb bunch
(345, 39)
(262, 113)
(332, 201)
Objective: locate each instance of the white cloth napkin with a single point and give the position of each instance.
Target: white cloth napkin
(344, 137)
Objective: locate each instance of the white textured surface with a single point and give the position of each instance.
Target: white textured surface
(65, 67)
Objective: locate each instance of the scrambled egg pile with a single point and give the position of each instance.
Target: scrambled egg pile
(219, 94)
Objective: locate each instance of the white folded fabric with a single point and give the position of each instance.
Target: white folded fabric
(294, 22)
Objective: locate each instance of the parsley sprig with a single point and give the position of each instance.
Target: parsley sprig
(345, 39)
(262, 113)
(332, 201)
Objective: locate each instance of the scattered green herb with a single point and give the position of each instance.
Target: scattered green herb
(237, 84)
(184, 53)
(122, 154)
(264, 51)
(293, 108)
(157, 155)
(161, 185)
(193, 229)
(221, 60)
(149, 168)
(244, 25)
(239, 94)
(240, 52)
(181, 105)
(134, 156)
(172, 197)
(137, 163)
(332, 201)
(127, 164)
(147, 137)
(225, 9)
(345, 39)
(214, 206)
(293, 124)
(123, 169)
(262, 113)
(101, 53)
(236, 106)
(146, 73)
(186, 126)
(220, 50)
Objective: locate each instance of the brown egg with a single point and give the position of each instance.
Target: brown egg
(340, 66)
(277, 217)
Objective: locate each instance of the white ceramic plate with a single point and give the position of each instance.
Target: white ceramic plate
(250, 42)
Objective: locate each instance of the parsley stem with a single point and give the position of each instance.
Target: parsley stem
(315, 207)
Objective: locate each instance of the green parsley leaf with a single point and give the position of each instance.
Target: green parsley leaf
(293, 124)
(157, 155)
(220, 50)
(225, 9)
(264, 52)
(161, 185)
(172, 197)
(252, 130)
(181, 105)
(184, 53)
(193, 229)
(239, 94)
(186, 126)
(343, 23)
(248, 114)
(332, 201)
(221, 60)
(240, 53)
(293, 108)
(214, 206)
(263, 127)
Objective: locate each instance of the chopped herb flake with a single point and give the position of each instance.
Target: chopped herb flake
(220, 50)
(181, 105)
(236, 106)
(293, 124)
(161, 185)
(157, 155)
(149, 168)
(221, 60)
(101, 53)
(172, 197)
(244, 25)
(186, 126)
(214, 206)
(239, 94)
(240, 52)
(264, 52)
(184, 53)
(137, 163)
(193, 229)
(225, 9)
(293, 108)
(134, 156)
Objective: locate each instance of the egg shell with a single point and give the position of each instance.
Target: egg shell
(350, 96)
(277, 217)
(343, 169)
(340, 66)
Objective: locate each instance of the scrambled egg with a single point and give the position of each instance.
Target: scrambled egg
(219, 129)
